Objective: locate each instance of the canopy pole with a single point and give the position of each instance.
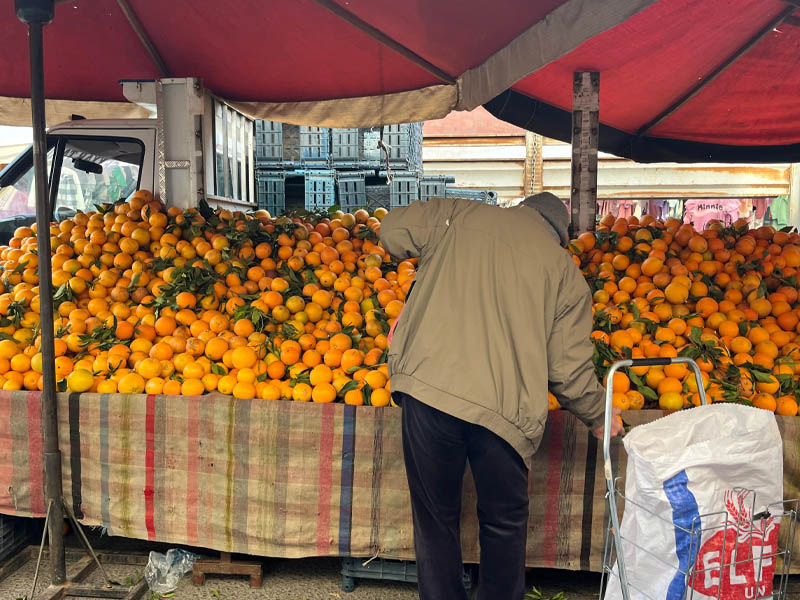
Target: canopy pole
(144, 38)
(585, 139)
(384, 39)
(794, 196)
(36, 14)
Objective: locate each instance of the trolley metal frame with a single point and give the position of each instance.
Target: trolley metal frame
(785, 512)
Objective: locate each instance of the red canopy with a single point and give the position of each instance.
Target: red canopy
(685, 80)
(345, 62)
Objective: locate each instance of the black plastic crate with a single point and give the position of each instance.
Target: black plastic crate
(271, 191)
(320, 189)
(352, 190)
(391, 570)
(13, 535)
(377, 196)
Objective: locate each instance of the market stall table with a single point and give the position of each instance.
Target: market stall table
(289, 479)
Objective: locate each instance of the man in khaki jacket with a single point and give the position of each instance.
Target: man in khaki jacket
(498, 314)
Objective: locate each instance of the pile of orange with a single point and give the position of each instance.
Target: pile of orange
(191, 302)
(725, 296)
(174, 302)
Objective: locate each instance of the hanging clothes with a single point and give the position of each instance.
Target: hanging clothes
(779, 212)
(660, 209)
(676, 209)
(701, 212)
(760, 206)
(746, 209)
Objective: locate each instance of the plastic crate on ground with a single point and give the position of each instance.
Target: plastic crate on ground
(392, 570)
(344, 145)
(268, 144)
(13, 535)
(352, 190)
(320, 188)
(403, 189)
(271, 191)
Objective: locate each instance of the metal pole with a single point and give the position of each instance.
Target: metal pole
(585, 138)
(794, 196)
(37, 14)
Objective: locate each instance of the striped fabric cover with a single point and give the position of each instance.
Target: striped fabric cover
(288, 479)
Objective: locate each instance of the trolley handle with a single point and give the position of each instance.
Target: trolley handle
(651, 362)
(638, 362)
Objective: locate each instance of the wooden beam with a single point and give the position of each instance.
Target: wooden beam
(691, 93)
(384, 39)
(143, 36)
(585, 138)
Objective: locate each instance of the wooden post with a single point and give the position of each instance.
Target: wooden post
(585, 136)
(537, 174)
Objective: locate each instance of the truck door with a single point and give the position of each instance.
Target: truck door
(83, 170)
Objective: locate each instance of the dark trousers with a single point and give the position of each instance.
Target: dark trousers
(436, 447)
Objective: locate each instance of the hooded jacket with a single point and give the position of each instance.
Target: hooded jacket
(498, 314)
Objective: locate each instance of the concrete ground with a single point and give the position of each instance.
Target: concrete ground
(303, 579)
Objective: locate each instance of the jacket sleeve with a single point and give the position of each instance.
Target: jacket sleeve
(569, 355)
(405, 230)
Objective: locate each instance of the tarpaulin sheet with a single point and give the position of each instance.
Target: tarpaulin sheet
(288, 479)
(748, 113)
(297, 61)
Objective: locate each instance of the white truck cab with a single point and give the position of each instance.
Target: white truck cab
(196, 146)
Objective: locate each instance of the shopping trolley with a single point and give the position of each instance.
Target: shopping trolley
(731, 523)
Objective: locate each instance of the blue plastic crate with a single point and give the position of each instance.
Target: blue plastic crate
(314, 144)
(391, 570)
(352, 190)
(403, 189)
(432, 186)
(271, 191)
(404, 144)
(485, 196)
(320, 188)
(370, 149)
(268, 146)
(344, 145)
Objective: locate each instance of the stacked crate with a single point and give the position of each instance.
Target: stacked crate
(290, 151)
(335, 166)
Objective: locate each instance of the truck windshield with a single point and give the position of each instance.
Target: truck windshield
(90, 171)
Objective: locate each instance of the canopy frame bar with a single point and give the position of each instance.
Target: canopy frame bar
(385, 40)
(143, 36)
(692, 92)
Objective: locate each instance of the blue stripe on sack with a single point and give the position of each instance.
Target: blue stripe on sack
(346, 497)
(684, 515)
